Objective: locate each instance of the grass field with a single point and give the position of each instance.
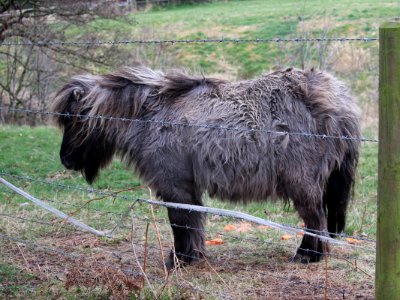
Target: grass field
(356, 63)
(29, 271)
(248, 19)
(33, 272)
(253, 262)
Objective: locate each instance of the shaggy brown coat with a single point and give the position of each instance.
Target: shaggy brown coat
(182, 162)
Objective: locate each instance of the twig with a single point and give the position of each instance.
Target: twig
(326, 278)
(158, 238)
(138, 263)
(119, 223)
(212, 269)
(23, 256)
(171, 273)
(145, 251)
(114, 194)
(356, 267)
(364, 213)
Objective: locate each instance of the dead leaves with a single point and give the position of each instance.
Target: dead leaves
(354, 241)
(262, 227)
(230, 227)
(286, 237)
(213, 242)
(244, 227)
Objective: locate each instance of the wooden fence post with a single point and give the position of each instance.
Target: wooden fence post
(387, 278)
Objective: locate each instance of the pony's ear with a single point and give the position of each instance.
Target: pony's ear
(69, 98)
(78, 94)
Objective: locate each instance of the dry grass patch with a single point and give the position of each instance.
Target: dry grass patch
(346, 58)
(239, 270)
(217, 31)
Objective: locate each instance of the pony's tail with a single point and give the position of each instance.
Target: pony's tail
(339, 190)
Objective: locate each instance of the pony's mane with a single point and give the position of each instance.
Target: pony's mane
(130, 92)
(170, 85)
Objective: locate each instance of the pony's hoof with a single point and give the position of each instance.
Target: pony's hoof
(170, 264)
(299, 258)
(179, 260)
(306, 256)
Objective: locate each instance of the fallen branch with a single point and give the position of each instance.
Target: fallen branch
(52, 209)
(243, 216)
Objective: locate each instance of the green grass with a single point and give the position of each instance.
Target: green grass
(13, 280)
(37, 148)
(35, 154)
(243, 19)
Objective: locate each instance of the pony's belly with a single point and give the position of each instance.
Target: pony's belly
(245, 190)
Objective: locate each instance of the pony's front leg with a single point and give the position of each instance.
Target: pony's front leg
(188, 229)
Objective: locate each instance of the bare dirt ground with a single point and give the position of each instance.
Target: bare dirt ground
(240, 271)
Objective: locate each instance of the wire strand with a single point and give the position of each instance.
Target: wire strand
(191, 125)
(148, 201)
(222, 40)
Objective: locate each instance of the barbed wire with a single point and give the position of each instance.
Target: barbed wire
(75, 255)
(33, 244)
(78, 207)
(115, 194)
(340, 291)
(28, 220)
(317, 233)
(222, 40)
(51, 209)
(190, 125)
(204, 209)
(209, 233)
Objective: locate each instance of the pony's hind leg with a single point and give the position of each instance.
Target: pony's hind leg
(338, 192)
(312, 248)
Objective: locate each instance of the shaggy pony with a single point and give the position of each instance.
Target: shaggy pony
(250, 149)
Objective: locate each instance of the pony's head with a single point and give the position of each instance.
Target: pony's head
(84, 147)
(89, 141)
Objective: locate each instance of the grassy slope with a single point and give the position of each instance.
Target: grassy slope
(247, 19)
(356, 63)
